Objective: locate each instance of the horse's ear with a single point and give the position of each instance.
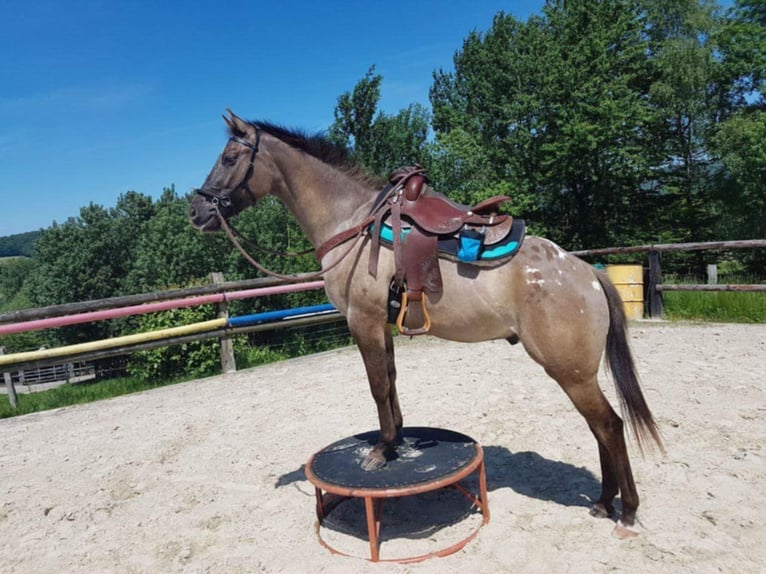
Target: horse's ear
(229, 123)
(237, 126)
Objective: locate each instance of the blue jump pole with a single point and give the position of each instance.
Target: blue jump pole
(272, 316)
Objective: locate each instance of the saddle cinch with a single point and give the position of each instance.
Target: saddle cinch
(421, 225)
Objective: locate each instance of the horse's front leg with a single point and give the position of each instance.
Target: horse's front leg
(376, 346)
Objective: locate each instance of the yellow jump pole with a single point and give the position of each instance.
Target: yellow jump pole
(114, 342)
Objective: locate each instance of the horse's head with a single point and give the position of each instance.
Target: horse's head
(230, 187)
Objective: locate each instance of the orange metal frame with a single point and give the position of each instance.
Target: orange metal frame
(329, 495)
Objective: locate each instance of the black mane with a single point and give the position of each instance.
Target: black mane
(318, 145)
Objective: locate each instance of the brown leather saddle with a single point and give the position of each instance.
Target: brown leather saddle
(419, 217)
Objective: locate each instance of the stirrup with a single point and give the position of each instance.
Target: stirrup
(403, 311)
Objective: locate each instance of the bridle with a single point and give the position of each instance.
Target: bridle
(222, 199)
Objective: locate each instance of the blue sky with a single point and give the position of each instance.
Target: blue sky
(101, 97)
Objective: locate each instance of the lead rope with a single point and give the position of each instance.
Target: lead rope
(291, 278)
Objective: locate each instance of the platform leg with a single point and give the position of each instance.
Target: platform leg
(483, 491)
(373, 526)
(320, 504)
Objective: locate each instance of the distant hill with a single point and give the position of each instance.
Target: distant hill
(19, 244)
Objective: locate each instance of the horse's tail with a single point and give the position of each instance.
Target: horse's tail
(619, 360)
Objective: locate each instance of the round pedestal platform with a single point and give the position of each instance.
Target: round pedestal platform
(426, 459)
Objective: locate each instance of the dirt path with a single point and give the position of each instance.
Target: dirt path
(207, 476)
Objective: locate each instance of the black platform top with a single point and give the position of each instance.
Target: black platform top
(424, 455)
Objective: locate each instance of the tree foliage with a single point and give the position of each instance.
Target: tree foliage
(194, 359)
(170, 253)
(611, 121)
(380, 142)
(19, 244)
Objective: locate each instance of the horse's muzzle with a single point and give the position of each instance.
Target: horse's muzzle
(203, 215)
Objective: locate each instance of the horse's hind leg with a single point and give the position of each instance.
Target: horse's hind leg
(604, 507)
(376, 346)
(607, 427)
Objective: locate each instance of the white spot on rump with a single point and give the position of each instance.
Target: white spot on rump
(596, 285)
(560, 253)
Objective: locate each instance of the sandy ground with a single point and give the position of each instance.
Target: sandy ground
(207, 476)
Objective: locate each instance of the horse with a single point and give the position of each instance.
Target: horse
(565, 313)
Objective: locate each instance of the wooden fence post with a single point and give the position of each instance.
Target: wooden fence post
(10, 389)
(712, 274)
(228, 364)
(654, 306)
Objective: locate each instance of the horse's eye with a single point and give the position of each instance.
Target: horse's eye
(228, 160)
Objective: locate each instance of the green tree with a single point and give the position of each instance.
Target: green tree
(686, 95)
(13, 297)
(192, 360)
(741, 143)
(89, 256)
(13, 274)
(399, 139)
(19, 244)
(741, 40)
(170, 253)
(354, 113)
(563, 138)
(378, 141)
(739, 139)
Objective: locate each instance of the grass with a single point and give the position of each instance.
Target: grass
(716, 306)
(74, 394)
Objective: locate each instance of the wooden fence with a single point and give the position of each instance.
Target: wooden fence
(219, 292)
(654, 286)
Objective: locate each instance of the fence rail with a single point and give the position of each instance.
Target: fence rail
(139, 299)
(655, 306)
(47, 376)
(670, 247)
(223, 328)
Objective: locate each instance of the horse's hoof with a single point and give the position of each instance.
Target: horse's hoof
(599, 510)
(623, 531)
(374, 461)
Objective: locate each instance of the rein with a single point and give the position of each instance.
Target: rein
(303, 277)
(266, 251)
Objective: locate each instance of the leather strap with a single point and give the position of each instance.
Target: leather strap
(342, 237)
(372, 266)
(376, 211)
(396, 227)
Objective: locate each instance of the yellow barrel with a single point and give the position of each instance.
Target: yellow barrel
(629, 280)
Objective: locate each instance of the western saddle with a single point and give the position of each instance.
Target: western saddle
(424, 225)
(419, 217)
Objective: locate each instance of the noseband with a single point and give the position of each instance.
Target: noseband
(222, 199)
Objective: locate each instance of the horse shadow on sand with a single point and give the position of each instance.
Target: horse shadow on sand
(422, 515)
